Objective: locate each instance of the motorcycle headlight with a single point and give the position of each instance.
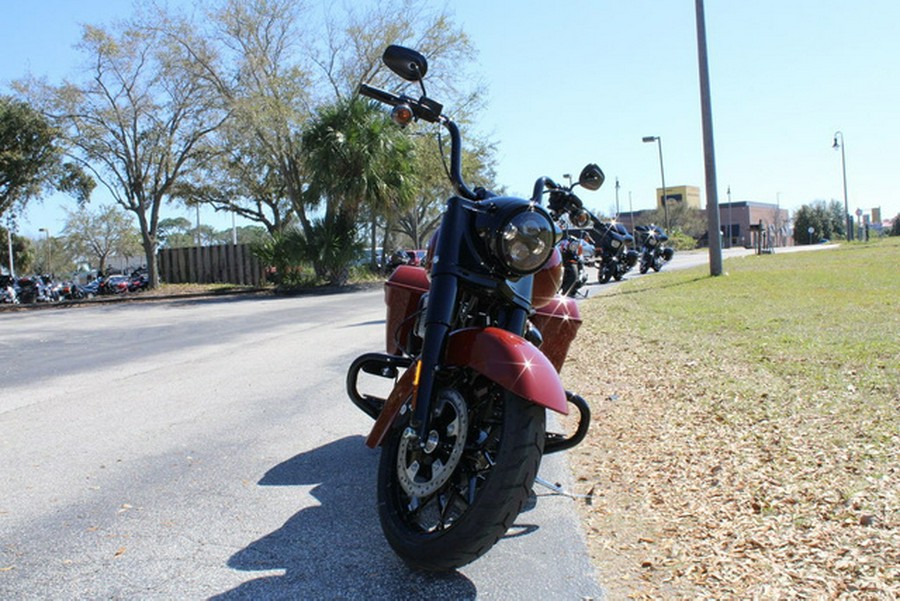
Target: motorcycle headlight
(526, 242)
(651, 241)
(519, 235)
(615, 243)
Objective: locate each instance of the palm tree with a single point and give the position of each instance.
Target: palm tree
(356, 159)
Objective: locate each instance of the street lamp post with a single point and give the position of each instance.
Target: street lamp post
(617, 200)
(840, 145)
(662, 174)
(10, 224)
(48, 271)
(730, 221)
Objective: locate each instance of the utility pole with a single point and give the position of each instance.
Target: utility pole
(709, 153)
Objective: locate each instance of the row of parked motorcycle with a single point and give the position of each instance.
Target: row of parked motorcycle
(46, 289)
(613, 250)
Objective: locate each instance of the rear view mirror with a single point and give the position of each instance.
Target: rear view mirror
(405, 62)
(591, 177)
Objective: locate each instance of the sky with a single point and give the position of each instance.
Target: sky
(574, 82)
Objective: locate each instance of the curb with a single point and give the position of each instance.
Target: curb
(137, 297)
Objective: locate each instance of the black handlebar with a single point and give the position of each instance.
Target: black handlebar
(427, 109)
(382, 96)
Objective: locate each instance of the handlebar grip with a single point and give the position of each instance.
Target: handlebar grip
(379, 95)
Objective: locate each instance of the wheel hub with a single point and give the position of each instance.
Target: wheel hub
(422, 469)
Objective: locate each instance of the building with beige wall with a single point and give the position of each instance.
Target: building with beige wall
(688, 195)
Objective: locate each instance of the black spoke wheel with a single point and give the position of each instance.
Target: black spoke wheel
(444, 504)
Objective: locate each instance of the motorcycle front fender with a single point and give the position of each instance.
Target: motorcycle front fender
(510, 361)
(501, 356)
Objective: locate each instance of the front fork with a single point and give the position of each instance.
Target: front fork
(438, 318)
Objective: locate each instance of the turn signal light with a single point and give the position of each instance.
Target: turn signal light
(402, 115)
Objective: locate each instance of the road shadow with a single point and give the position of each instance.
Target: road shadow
(334, 550)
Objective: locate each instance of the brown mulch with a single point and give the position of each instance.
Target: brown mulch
(728, 493)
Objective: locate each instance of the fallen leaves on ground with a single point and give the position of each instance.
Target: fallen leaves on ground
(714, 479)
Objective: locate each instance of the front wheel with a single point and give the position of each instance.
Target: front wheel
(444, 505)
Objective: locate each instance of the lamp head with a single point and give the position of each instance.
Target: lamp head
(649, 138)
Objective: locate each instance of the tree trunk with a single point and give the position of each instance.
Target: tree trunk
(152, 270)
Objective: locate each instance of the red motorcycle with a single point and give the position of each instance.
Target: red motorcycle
(475, 342)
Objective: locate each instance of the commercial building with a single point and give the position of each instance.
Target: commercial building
(744, 223)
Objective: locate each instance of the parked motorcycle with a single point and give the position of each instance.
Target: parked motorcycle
(475, 341)
(576, 246)
(72, 291)
(614, 257)
(32, 289)
(8, 294)
(654, 252)
(140, 280)
(574, 273)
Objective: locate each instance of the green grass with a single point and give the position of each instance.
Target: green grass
(825, 317)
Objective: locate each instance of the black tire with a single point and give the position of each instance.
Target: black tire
(603, 275)
(645, 266)
(488, 486)
(568, 283)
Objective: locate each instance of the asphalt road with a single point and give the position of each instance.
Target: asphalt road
(207, 449)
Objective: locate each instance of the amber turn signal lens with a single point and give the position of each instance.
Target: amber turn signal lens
(402, 114)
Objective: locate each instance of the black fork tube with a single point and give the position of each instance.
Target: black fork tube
(442, 298)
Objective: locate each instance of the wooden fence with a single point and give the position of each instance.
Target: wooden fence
(223, 263)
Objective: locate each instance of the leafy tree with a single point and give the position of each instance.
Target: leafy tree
(23, 252)
(140, 119)
(98, 235)
(171, 230)
(826, 220)
(355, 156)
(282, 252)
(278, 64)
(246, 234)
(895, 226)
(267, 89)
(332, 247)
(421, 219)
(682, 218)
(31, 159)
(52, 255)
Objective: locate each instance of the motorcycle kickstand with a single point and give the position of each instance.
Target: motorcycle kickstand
(558, 489)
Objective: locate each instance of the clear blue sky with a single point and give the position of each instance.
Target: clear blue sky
(572, 82)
